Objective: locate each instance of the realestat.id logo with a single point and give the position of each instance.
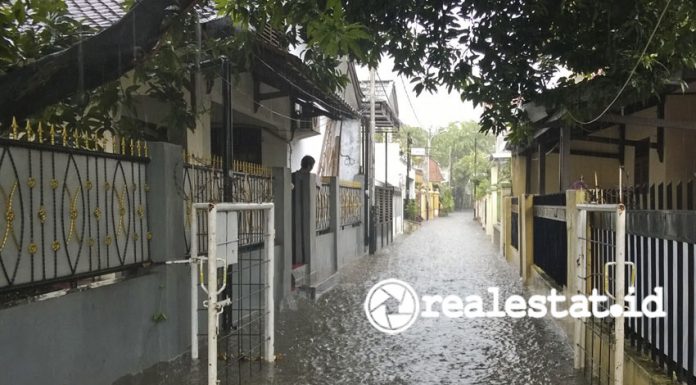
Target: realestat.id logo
(392, 306)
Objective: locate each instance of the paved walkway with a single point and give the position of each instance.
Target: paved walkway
(331, 341)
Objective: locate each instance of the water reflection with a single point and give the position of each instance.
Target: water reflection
(330, 341)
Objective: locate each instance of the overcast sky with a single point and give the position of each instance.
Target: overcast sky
(433, 110)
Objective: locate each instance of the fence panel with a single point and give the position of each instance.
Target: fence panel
(203, 181)
(661, 242)
(351, 198)
(550, 236)
(70, 210)
(514, 223)
(323, 208)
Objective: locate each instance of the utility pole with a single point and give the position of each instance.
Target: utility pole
(386, 158)
(427, 177)
(408, 166)
(473, 193)
(371, 193)
(451, 177)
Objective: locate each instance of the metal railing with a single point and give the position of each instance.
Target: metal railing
(351, 198)
(550, 236)
(70, 208)
(323, 208)
(514, 223)
(249, 183)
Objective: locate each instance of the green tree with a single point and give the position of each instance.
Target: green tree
(502, 51)
(468, 150)
(492, 52)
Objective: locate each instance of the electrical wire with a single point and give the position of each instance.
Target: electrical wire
(263, 106)
(630, 76)
(408, 97)
(326, 104)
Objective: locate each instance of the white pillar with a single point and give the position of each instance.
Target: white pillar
(212, 295)
(194, 284)
(270, 304)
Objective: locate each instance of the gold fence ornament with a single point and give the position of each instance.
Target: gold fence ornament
(14, 126)
(9, 216)
(52, 134)
(29, 132)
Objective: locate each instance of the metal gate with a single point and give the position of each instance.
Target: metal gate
(239, 299)
(601, 266)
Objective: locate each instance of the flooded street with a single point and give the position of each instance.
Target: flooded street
(332, 342)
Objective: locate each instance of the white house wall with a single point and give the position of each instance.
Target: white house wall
(396, 168)
(349, 164)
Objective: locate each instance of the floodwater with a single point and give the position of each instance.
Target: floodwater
(330, 341)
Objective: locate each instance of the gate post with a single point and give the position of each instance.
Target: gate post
(212, 295)
(620, 288)
(581, 272)
(526, 204)
(270, 305)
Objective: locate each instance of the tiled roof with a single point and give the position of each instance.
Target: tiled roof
(103, 13)
(96, 13)
(435, 174)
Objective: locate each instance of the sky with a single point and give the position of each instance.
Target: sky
(432, 110)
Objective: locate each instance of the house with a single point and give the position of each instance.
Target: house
(489, 208)
(428, 182)
(650, 141)
(103, 253)
(639, 158)
(386, 200)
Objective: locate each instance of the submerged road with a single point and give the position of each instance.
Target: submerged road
(331, 341)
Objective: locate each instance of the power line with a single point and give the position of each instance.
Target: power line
(630, 76)
(381, 84)
(263, 106)
(345, 112)
(408, 97)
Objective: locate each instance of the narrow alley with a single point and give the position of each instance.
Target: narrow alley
(331, 341)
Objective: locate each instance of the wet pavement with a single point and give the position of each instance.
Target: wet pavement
(331, 341)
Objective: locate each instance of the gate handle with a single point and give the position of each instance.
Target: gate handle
(632, 277)
(202, 276)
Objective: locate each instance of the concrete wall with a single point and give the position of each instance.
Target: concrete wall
(95, 334)
(351, 244)
(324, 262)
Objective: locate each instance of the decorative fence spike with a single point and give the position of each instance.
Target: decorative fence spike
(29, 132)
(132, 148)
(76, 138)
(14, 127)
(64, 136)
(39, 131)
(52, 133)
(146, 150)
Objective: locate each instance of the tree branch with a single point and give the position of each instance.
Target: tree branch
(97, 60)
